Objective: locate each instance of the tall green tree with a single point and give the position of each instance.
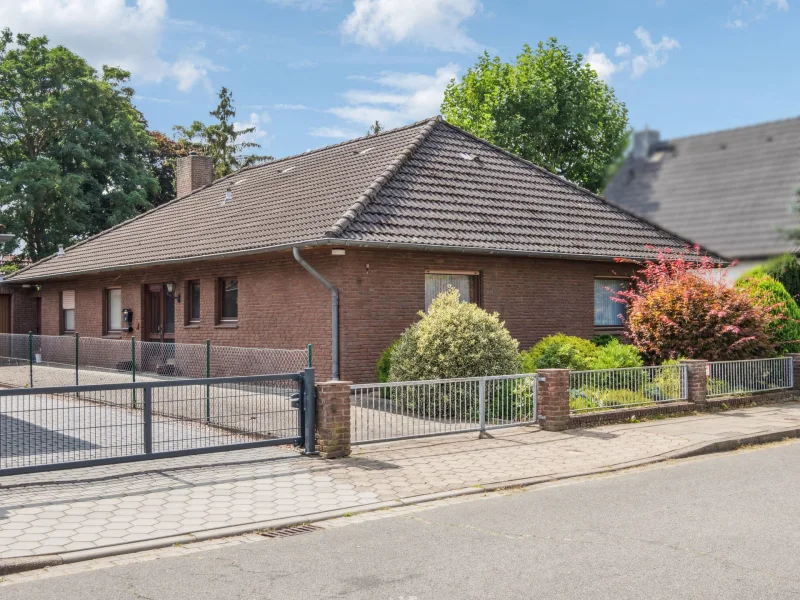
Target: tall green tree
(72, 146)
(548, 107)
(375, 128)
(222, 140)
(163, 160)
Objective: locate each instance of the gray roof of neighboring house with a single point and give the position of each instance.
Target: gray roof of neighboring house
(428, 185)
(729, 190)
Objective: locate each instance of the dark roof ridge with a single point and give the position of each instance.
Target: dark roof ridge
(338, 228)
(732, 129)
(208, 185)
(602, 199)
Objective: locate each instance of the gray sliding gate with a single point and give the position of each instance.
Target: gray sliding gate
(74, 426)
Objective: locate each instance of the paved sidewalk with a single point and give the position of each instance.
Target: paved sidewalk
(76, 514)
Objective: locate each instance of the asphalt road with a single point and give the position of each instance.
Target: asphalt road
(724, 526)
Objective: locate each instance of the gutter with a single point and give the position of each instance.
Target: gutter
(21, 275)
(334, 312)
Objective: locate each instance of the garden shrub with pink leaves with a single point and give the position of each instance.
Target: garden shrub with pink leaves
(680, 306)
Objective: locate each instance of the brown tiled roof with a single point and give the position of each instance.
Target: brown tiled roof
(429, 185)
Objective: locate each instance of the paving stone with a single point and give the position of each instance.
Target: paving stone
(132, 502)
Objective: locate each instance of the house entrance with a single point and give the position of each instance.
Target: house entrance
(160, 312)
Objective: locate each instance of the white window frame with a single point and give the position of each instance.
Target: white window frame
(619, 308)
(67, 307)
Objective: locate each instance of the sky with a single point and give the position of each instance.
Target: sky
(308, 73)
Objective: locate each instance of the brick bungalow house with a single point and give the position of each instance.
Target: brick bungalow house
(381, 224)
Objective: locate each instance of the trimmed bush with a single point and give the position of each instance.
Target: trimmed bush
(782, 312)
(559, 351)
(616, 356)
(384, 364)
(784, 268)
(604, 339)
(680, 306)
(454, 339)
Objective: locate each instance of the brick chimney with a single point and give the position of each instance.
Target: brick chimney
(194, 172)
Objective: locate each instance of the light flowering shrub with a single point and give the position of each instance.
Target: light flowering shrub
(784, 268)
(616, 356)
(678, 305)
(559, 351)
(782, 312)
(454, 339)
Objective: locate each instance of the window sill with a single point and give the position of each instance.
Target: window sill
(113, 336)
(226, 326)
(192, 326)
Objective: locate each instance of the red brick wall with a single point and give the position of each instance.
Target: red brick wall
(381, 291)
(280, 304)
(24, 317)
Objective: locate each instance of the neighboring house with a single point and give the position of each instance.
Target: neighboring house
(389, 221)
(730, 191)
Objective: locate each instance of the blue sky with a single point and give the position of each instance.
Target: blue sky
(308, 73)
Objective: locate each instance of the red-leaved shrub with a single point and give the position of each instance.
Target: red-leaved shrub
(679, 305)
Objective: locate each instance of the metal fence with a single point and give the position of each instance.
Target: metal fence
(607, 389)
(729, 378)
(385, 411)
(60, 427)
(41, 360)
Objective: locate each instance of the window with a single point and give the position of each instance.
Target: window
(113, 310)
(608, 313)
(466, 282)
(68, 311)
(193, 304)
(228, 299)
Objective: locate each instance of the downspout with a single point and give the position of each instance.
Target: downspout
(334, 312)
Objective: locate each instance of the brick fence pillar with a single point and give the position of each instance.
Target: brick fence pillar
(333, 419)
(795, 370)
(553, 398)
(697, 371)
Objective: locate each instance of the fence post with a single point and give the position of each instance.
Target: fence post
(696, 381)
(309, 412)
(208, 376)
(77, 362)
(148, 419)
(30, 355)
(310, 362)
(133, 366)
(333, 418)
(482, 405)
(553, 399)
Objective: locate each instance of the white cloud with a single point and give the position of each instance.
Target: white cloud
(622, 50)
(651, 56)
(430, 23)
(779, 4)
(112, 32)
(335, 133)
(655, 52)
(735, 24)
(746, 12)
(290, 107)
(256, 120)
(301, 64)
(303, 4)
(602, 64)
(404, 98)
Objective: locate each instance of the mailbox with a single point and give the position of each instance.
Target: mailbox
(127, 319)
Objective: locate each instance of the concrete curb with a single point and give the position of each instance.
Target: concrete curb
(9, 566)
